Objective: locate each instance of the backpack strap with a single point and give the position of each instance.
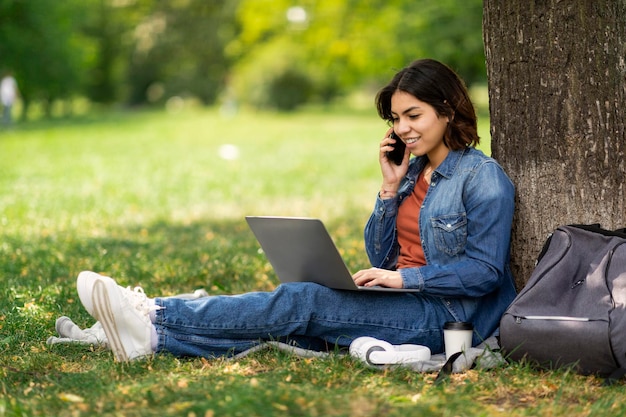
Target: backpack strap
(619, 373)
(446, 370)
(615, 377)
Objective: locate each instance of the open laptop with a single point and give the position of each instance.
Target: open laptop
(301, 250)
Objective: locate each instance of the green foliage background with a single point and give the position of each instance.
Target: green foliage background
(249, 52)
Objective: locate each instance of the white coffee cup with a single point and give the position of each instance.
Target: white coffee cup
(457, 337)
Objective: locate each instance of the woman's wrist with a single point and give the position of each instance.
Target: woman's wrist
(387, 193)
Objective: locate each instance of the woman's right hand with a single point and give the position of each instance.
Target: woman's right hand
(392, 173)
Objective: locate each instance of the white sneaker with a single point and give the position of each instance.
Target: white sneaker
(123, 313)
(86, 279)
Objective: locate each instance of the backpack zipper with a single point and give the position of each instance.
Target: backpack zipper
(518, 319)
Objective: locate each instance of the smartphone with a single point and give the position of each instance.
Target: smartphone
(397, 155)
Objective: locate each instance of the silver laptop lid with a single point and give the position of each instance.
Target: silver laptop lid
(301, 250)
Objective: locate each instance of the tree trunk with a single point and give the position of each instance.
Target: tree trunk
(557, 87)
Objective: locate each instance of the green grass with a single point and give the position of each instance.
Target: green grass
(146, 198)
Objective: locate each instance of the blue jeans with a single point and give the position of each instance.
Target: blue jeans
(6, 115)
(309, 314)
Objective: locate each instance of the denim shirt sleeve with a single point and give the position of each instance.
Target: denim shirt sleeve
(380, 234)
(488, 198)
(381, 242)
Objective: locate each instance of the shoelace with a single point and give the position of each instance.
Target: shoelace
(139, 300)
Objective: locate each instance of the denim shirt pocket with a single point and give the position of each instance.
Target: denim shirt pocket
(450, 232)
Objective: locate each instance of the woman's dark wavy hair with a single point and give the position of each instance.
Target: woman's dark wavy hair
(434, 83)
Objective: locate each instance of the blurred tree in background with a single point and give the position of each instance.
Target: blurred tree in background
(340, 45)
(266, 53)
(38, 46)
(179, 49)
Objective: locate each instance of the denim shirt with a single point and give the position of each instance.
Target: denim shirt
(465, 228)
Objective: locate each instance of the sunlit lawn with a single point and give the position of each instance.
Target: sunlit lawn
(157, 199)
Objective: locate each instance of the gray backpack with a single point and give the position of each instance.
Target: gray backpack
(572, 310)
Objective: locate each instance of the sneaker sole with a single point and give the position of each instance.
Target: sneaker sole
(84, 284)
(103, 312)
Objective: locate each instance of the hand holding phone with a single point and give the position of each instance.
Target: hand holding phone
(397, 154)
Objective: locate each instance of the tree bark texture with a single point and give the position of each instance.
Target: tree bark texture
(557, 88)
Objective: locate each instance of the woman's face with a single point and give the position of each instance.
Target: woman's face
(419, 126)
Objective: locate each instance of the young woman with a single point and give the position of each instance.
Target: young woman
(441, 224)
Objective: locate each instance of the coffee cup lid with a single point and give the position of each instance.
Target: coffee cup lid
(458, 325)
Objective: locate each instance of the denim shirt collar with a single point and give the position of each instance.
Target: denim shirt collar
(445, 169)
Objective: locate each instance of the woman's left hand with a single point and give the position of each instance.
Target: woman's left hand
(376, 276)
